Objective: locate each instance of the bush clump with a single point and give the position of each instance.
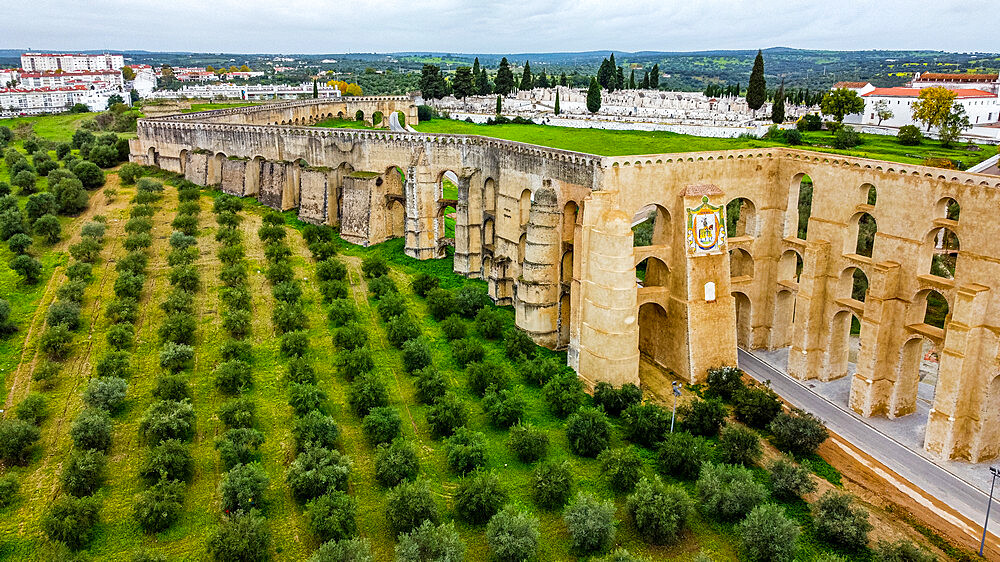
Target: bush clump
(160, 505)
(430, 542)
(367, 392)
(374, 266)
(564, 393)
(756, 407)
(789, 480)
(239, 446)
(71, 520)
(305, 397)
(243, 488)
(528, 443)
(315, 430)
(107, 393)
(551, 484)
(839, 521)
(505, 406)
(591, 523)
(901, 551)
(767, 534)
(512, 535)
(588, 432)
(91, 430)
(682, 455)
(728, 492)
(342, 312)
(446, 415)
(169, 460)
(645, 424)
(486, 375)
(396, 462)
(356, 363)
(623, 467)
(382, 425)
(739, 445)
(239, 412)
(233, 376)
(466, 450)
(416, 354)
(800, 433)
(402, 329)
(431, 385)
(613, 400)
(725, 382)
(332, 516)
(17, 440)
(702, 417)
(318, 471)
(479, 497)
(84, 473)
(909, 135)
(660, 511)
(32, 409)
(423, 283)
(168, 419)
(410, 504)
(242, 536)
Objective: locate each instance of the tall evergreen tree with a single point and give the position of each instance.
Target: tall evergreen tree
(645, 80)
(620, 79)
(557, 109)
(315, 89)
(594, 96)
(483, 86)
(432, 84)
(563, 80)
(463, 85)
(526, 79)
(504, 83)
(631, 80)
(654, 77)
(499, 104)
(542, 81)
(604, 75)
(757, 90)
(778, 108)
(476, 88)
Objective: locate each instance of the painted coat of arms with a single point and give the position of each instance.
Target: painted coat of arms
(706, 229)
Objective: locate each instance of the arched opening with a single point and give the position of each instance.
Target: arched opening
(948, 208)
(853, 284)
(252, 177)
(944, 252)
(935, 308)
(487, 266)
(183, 156)
(359, 115)
(397, 218)
(650, 226)
(215, 169)
(565, 319)
(488, 234)
(567, 267)
(869, 195)
(402, 118)
(490, 195)
(570, 216)
(652, 327)
(525, 207)
(799, 209)
(447, 189)
(652, 272)
(522, 242)
(790, 266)
(151, 157)
(741, 218)
(919, 364)
(743, 325)
(377, 118)
(863, 229)
(740, 263)
(340, 115)
(396, 197)
(845, 345)
(784, 318)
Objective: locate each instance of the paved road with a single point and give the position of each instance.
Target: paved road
(921, 472)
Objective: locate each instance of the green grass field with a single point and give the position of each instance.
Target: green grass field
(58, 127)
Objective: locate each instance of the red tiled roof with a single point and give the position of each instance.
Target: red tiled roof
(942, 77)
(858, 85)
(915, 92)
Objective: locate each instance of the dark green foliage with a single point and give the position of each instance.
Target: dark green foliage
(646, 424)
(391, 304)
(539, 370)
(396, 462)
(19, 243)
(528, 443)
(230, 256)
(366, 392)
(702, 417)
(756, 407)
(25, 180)
(79, 271)
(288, 317)
(277, 252)
(837, 520)
(56, 342)
(469, 299)
(756, 90)
(374, 266)
(129, 172)
(682, 455)
(728, 492)
(660, 511)
(137, 241)
(235, 298)
(32, 409)
(160, 506)
(901, 551)
(270, 233)
(179, 240)
(133, 262)
(106, 394)
(71, 520)
(588, 432)
(182, 256)
(84, 473)
(402, 329)
(799, 434)
(301, 371)
(518, 344)
(446, 415)
(725, 382)
(768, 535)
(322, 251)
(382, 425)
(315, 430)
(454, 329)
(7, 326)
(423, 282)
(228, 237)
(29, 268)
(122, 310)
(89, 174)
(86, 250)
(594, 96)
(92, 430)
(239, 446)
(243, 488)
(466, 450)
(431, 385)
(177, 328)
(317, 471)
(410, 504)
(512, 535)
(48, 227)
(356, 363)
(171, 387)
(305, 398)
(591, 523)
(623, 467)
(333, 290)
(552, 484)
(243, 537)
(236, 350)
(168, 419)
(9, 488)
(130, 285)
(505, 407)
(17, 440)
(350, 336)
(564, 393)
(238, 412)
(190, 192)
(287, 292)
(294, 344)
(416, 354)
(486, 375)
(739, 445)
(39, 204)
(468, 350)
(490, 323)
(346, 550)
(790, 481)
(846, 137)
(114, 364)
(175, 357)
(440, 303)
(909, 135)
(479, 497)
(188, 224)
(382, 287)
(331, 270)
(45, 373)
(238, 322)
(342, 311)
(332, 516)
(616, 400)
(233, 376)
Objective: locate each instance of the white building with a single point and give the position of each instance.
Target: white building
(981, 107)
(51, 62)
(9, 76)
(32, 101)
(985, 82)
(91, 78)
(253, 92)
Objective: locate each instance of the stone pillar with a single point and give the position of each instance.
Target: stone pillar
(608, 345)
(468, 225)
(312, 195)
(233, 174)
(292, 187)
(537, 305)
(805, 359)
(421, 210)
(196, 170)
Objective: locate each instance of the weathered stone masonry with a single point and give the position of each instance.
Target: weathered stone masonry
(550, 230)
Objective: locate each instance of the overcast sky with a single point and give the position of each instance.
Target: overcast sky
(507, 26)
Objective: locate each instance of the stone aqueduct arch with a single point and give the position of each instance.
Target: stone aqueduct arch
(550, 230)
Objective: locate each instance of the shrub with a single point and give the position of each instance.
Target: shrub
(416, 355)
(175, 357)
(469, 299)
(294, 344)
(277, 252)
(184, 277)
(288, 317)
(129, 172)
(374, 266)
(646, 424)
(345, 550)
(490, 323)
(682, 455)
(239, 412)
(137, 241)
(317, 471)
(178, 328)
(756, 407)
(591, 523)
(29, 268)
(454, 329)
(623, 467)
(440, 303)
(233, 376)
(270, 233)
(564, 393)
(19, 243)
(79, 271)
(168, 419)
(226, 203)
(728, 492)
(236, 350)
(305, 398)
(739, 445)
(350, 336)
(410, 504)
(518, 344)
(512, 535)
(171, 387)
(84, 473)
(114, 364)
(431, 385)
(56, 342)
(396, 462)
(789, 480)
(92, 430)
(725, 382)
(129, 284)
(287, 292)
(615, 401)
(322, 251)
(315, 430)
(25, 181)
(7, 326)
(237, 298)
(486, 375)
(466, 450)
(382, 287)
(188, 224)
(356, 363)
(342, 312)
(660, 512)
(243, 488)
(332, 516)
(70, 520)
(540, 370)
(17, 440)
(45, 373)
(230, 256)
(528, 443)
(239, 446)
(768, 535)
(169, 460)
(382, 425)
(390, 305)
(793, 137)
(504, 407)
(551, 484)
(588, 432)
(333, 290)
(180, 240)
(160, 505)
(123, 310)
(106, 394)
(243, 537)
(228, 236)
(909, 135)
(846, 137)
(479, 497)
(9, 488)
(901, 551)
(402, 329)
(133, 262)
(32, 409)
(48, 226)
(366, 392)
(446, 415)
(428, 542)
(424, 282)
(468, 350)
(800, 434)
(702, 417)
(301, 371)
(837, 520)
(239, 323)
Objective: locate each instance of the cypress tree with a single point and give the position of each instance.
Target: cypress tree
(645, 80)
(499, 104)
(505, 78)
(563, 81)
(557, 102)
(778, 108)
(315, 90)
(594, 96)
(484, 83)
(619, 79)
(476, 87)
(631, 80)
(604, 75)
(526, 79)
(543, 80)
(757, 90)
(654, 77)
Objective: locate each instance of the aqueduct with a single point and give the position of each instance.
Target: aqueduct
(763, 249)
